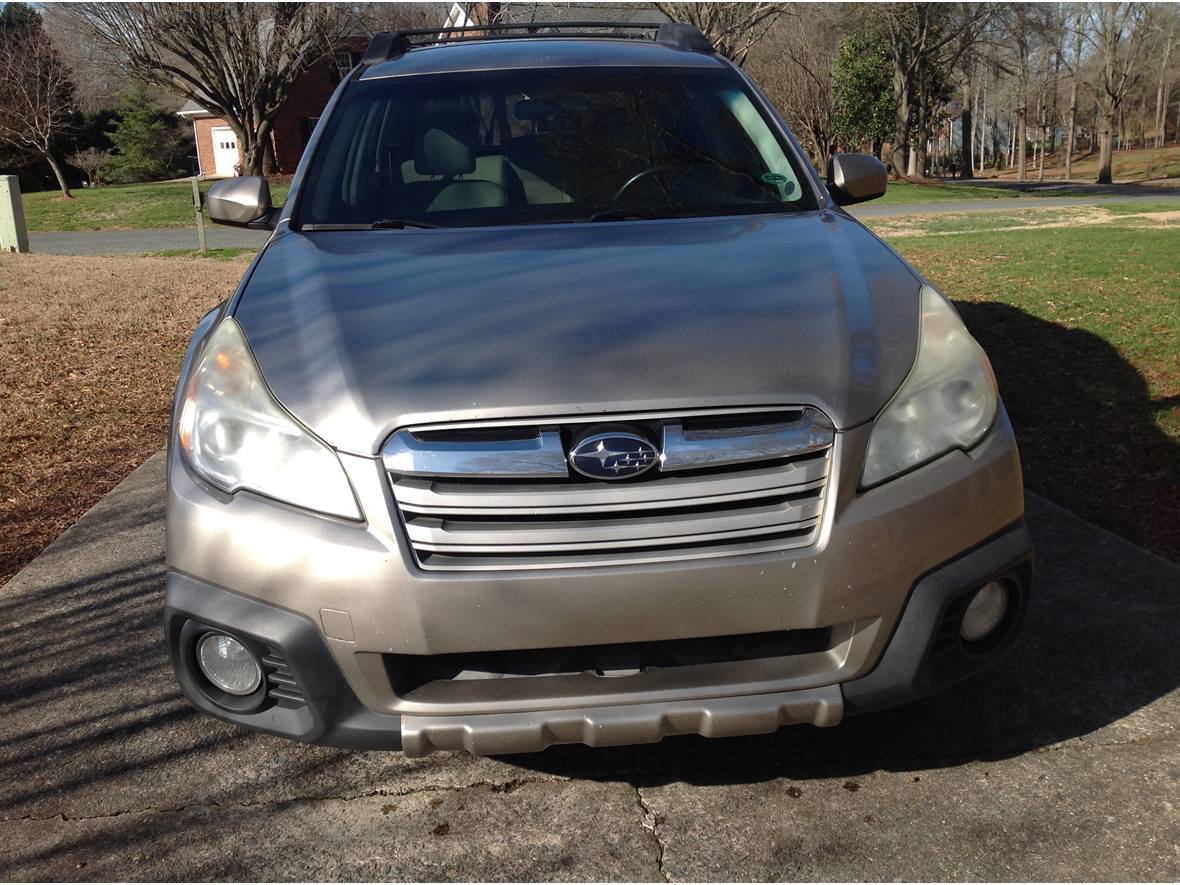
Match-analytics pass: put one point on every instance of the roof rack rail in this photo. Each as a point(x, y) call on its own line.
point(389, 45)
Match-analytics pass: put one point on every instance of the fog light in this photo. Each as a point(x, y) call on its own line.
point(228, 664)
point(986, 611)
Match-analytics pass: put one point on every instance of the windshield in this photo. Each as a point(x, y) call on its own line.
point(552, 145)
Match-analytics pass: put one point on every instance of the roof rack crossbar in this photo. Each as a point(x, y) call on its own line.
point(393, 44)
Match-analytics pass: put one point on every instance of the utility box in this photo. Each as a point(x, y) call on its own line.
point(14, 236)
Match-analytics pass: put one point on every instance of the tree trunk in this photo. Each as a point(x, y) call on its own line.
point(1040, 146)
point(1021, 144)
point(1054, 119)
point(975, 129)
point(61, 179)
point(1161, 97)
point(967, 146)
point(1022, 101)
point(901, 120)
point(1071, 141)
point(983, 131)
point(1105, 140)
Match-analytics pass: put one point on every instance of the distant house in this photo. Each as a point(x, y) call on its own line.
point(218, 152)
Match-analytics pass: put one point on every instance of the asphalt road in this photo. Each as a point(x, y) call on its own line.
point(1062, 762)
point(115, 242)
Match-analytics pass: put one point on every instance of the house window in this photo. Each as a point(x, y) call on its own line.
point(344, 62)
point(306, 127)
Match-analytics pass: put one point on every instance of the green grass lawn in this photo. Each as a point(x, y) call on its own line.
point(126, 207)
point(909, 192)
point(1082, 324)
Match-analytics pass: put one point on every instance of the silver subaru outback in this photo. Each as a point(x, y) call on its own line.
point(565, 404)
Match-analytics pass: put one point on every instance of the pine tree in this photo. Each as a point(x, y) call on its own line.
point(142, 138)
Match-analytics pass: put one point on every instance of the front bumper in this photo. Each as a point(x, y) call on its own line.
point(919, 659)
point(335, 602)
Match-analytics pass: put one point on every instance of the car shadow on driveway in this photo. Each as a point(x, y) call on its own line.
point(1088, 427)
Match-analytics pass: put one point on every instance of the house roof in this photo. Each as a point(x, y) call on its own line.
point(190, 110)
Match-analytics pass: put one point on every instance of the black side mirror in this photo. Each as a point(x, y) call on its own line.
point(855, 178)
point(242, 202)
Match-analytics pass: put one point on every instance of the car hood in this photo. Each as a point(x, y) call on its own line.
point(360, 332)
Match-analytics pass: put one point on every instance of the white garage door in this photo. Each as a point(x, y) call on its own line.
point(225, 150)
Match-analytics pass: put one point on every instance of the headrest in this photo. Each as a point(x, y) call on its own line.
point(446, 143)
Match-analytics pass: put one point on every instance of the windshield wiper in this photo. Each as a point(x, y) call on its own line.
point(400, 224)
point(709, 212)
point(626, 215)
point(383, 223)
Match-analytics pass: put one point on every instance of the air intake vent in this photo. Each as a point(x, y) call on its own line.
point(502, 496)
point(282, 688)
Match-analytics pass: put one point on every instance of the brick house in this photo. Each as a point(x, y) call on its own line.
point(218, 153)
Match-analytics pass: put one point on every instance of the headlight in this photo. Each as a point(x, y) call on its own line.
point(235, 435)
point(948, 401)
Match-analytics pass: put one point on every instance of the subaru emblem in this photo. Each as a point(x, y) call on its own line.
point(613, 456)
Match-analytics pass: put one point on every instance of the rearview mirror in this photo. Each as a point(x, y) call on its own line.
point(242, 202)
point(854, 178)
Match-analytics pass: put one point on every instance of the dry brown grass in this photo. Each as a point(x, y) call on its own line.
point(89, 353)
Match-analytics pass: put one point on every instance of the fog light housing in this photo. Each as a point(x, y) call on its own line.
point(986, 611)
point(228, 664)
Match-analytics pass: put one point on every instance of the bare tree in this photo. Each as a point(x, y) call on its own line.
point(36, 93)
point(1074, 64)
point(926, 41)
point(95, 69)
point(239, 60)
point(734, 28)
point(1115, 30)
point(91, 161)
point(795, 63)
point(1165, 26)
point(1020, 30)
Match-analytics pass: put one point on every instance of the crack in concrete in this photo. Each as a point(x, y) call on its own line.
point(507, 786)
point(651, 822)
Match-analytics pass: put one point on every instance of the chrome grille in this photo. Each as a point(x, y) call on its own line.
point(501, 496)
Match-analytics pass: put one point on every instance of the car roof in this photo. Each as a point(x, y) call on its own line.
point(545, 52)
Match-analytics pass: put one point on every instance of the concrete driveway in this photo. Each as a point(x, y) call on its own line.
point(1063, 762)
